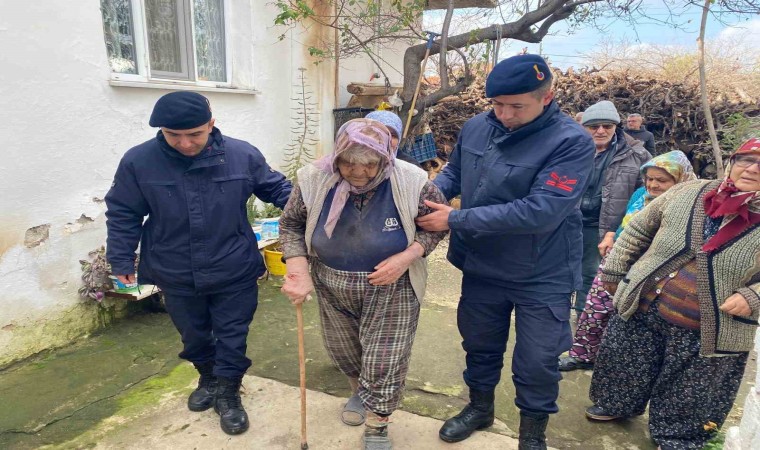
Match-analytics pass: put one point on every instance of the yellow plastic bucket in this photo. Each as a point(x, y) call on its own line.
point(273, 261)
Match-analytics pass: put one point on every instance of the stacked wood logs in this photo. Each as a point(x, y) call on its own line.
point(672, 111)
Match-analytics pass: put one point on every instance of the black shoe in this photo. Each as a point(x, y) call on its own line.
point(568, 363)
point(532, 432)
point(477, 415)
point(598, 413)
point(232, 416)
point(202, 398)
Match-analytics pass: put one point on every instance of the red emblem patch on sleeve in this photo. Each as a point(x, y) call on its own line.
point(561, 182)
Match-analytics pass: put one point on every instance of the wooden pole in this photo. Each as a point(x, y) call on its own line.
point(302, 372)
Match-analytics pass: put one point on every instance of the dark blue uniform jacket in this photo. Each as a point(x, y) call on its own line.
point(519, 224)
point(197, 239)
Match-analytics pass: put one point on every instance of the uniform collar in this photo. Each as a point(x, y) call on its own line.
point(212, 155)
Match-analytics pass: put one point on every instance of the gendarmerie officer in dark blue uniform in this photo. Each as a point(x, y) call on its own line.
point(196, 244)
point(520, 170)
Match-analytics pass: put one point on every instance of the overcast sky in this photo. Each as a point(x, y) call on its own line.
point(566, 49)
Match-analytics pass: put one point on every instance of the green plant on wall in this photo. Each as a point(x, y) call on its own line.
point(305, 129)
point(95, 272)
point(302, 148)
point(253, 211)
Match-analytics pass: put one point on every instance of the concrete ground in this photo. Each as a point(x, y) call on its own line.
point(126, 388)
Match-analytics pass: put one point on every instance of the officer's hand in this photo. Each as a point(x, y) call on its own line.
point(611, 288)
point(297, 287)
point(606, 244)
point(127, 279)
point(736, 305)
point(438, 220)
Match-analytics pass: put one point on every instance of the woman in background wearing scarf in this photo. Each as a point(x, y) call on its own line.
point(685, 275)
point(348, 232)
point(659, 174)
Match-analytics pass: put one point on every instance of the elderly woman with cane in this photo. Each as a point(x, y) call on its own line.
point(685, 275)
point(348, 233)
point(659, 174)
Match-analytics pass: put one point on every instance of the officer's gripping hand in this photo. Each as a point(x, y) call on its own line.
point(736, 305)
point(438, 220)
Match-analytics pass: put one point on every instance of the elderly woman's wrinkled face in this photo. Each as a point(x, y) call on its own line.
point(657, 181)
point(745, 172)
point(358, 166)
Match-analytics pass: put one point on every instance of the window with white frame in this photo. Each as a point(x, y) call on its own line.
point(166, 39)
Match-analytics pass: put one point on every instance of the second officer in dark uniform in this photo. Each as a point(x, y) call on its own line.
point(192, 183)
point(520, 170)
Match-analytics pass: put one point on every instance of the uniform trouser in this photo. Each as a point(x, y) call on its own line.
point(542, 334)
point(589, 264)
point(646, 359)
point(215, 328)
point(368, 331)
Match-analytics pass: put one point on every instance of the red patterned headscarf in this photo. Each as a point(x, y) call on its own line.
point(739, 209)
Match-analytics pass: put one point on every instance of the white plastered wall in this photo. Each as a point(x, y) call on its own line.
point(747, 435)
point(65, 128)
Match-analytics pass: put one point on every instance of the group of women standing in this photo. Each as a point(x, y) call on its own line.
point(681, 292)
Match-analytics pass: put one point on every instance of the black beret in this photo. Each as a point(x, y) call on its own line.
point(517, 75)
point(181, 111)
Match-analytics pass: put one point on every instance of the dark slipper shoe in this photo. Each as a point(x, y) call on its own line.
point(568, 363)
point(353, 412)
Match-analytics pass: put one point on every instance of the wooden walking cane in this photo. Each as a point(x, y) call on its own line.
point(302, 367)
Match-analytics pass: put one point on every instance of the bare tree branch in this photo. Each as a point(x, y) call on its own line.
point(443, 68)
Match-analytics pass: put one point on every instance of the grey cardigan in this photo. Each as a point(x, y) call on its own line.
point(621, 179)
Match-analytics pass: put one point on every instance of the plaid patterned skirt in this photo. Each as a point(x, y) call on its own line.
point(368, 331)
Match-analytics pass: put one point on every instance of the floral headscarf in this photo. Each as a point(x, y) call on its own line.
point(739, 209)
point(676, 164)
point(366, 133)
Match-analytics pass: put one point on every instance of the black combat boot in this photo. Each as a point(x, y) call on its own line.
point(202, 398)
point(532, 431)
point(477, 415)
point(232, 416)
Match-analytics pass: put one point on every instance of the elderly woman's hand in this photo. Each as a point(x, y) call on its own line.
point(390, 269)
point(297, 287)
point(605, 245)
point(298, 284)
point(736, 305)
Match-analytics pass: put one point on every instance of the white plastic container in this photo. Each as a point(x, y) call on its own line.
point(270, 228)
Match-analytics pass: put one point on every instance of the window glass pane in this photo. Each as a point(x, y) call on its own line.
point(119, 34)
point(163, 35)
point(209, 39)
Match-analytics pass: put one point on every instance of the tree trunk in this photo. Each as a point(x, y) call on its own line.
point(717, 154)
point(443, 68)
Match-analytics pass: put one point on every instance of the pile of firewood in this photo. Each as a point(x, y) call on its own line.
point(672, 111)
